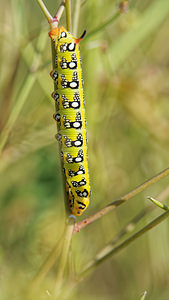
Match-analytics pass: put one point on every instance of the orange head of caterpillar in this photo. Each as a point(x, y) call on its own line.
point(62, 33)
point(53, 33)
point(59, 33)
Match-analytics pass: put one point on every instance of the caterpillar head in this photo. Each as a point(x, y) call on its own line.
point(59, 34)
point(62, 34)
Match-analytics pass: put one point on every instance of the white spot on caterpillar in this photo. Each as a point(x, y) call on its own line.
point(73, 84)
point(63, 34)
point(72, 65)
point(77, 143)
point(75, 104)
point(79, 172)
point(78, 159)
point(71, 46)
point(76, 124)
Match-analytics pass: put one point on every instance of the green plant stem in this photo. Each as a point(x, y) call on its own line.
point(113, 250)
point(131, 225)
point(70, 221)
point(44, 10)
point(33, 61)
point(143, 296)
point(104, 25)
point(70, 224)
point(68, 15)
point(47, 265)
point(64, 255)
point(153, 16)
point(60, 10)
point(76, 17)
point(121, 200)
point(128, 228)
point(23, 93)
point(35, 139)
point(27, 85)
point(62, 247)
point(158, 203)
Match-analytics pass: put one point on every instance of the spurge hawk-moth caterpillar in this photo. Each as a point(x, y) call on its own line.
point(70, 117)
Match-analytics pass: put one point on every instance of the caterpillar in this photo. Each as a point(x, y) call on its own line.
point(70, 117)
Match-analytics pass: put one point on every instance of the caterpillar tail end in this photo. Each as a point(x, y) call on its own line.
point(81, 37)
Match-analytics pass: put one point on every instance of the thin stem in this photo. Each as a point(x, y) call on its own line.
point(128, 228)
point(68, 15)
point(47, 265)
point(70, 221)
point(30, 143)
point(143, 296)
point(153, 17)
point(64, 255)
point(23, 93)
point(132, 223)
point(45, 10)
point(76, 17)
point(113, 250)
point(121, 200)
point(60, 10)
point(104, 25)
point(56, 251)
point(27, 85)
point(158, 203)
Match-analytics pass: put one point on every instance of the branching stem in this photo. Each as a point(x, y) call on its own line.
point(44, 10)
point(121, 200)
point(113, 250)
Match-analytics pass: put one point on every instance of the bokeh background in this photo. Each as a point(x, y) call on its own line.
point(126, 71)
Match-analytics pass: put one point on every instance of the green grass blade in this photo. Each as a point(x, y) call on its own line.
point(146, 25)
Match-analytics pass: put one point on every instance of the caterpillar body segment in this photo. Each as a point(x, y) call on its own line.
point(70, 118)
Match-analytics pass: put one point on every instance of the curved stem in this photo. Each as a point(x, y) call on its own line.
point(102, 26)
point(24, 90)
point(112, 250)
point(131, 225)
point(121, 200)
point(143, 296)
point(158, 203)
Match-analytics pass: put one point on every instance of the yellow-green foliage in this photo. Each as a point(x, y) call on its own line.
point(125, 69)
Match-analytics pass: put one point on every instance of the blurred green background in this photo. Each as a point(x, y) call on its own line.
point(126, 71)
